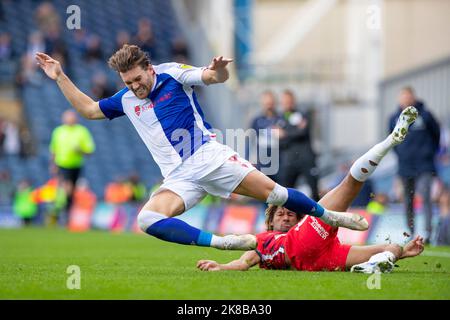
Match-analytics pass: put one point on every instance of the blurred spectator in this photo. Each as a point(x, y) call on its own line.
point(24, 205)
point(296, 153)
point(27, 72)
point(263, 125)
point(179, 51)
point(416, 155)
point(118, 191)
point(144, 38)
point(83, 197)
point(378, 204)
point(94, 51)
point(443, 234)
point(52, 198)
point(69, 144)
point(6, 50)
point(101, 87)
point(11, 143)
point(46, 17)
point(35, 44)
point(81, 41)
point(2, 135)
point(6, 188)
point(55, 44)
point(123, 37)
point(27, 147)
point(138, 188)
point(2, 12)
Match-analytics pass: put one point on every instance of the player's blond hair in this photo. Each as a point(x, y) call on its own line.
point(128, 57)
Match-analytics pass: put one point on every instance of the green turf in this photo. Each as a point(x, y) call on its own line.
point(33, 265)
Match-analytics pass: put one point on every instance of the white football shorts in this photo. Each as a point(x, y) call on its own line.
point(219, 176)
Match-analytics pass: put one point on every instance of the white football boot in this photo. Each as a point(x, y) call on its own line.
point(238, 242)
point(379, 263)
point(347, 220)
point(406, 118)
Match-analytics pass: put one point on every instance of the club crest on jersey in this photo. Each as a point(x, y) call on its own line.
point(137, 109)
point(185, 66)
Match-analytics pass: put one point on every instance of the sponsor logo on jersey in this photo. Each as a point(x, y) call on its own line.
point(319, 229)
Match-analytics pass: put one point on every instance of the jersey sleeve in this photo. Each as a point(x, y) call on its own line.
point(112, 106)
point(186, 74)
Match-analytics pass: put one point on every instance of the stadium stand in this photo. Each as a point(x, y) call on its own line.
point(119, 148)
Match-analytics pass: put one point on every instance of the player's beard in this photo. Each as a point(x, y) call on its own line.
point(141, 92)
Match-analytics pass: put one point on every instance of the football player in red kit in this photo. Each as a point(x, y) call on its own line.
point(294, 241)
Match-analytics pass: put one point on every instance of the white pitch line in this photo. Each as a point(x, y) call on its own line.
point(436, 254)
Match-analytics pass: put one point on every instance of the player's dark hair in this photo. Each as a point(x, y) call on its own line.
point(128, 57)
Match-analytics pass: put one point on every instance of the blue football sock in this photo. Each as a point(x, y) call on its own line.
point(300, 203)
point(178, 231)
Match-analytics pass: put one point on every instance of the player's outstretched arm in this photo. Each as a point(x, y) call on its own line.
point(217, 71)
point(245, 262)
point(87, 107)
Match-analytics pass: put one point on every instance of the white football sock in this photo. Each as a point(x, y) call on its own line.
point(363, 167)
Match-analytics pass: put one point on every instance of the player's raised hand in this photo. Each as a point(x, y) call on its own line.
point(208, 265)
point(51, 67)
point(413, 248)
point(219, 63)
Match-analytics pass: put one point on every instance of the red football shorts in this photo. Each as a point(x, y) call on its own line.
point(313, 245)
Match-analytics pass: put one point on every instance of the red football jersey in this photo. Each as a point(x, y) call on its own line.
point(271, 250)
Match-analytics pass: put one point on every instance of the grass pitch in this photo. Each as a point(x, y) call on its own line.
point(34, 262)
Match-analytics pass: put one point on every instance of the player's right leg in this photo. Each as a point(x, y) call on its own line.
point(381, 258)
point(157, 218)
point(373, 259)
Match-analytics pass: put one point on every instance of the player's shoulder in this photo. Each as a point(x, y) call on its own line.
point(172, 68)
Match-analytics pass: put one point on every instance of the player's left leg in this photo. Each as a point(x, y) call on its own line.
point(330, 209)
point(341, 197)
point(258, 186)
point(381, 258)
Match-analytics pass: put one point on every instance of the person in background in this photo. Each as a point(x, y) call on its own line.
point(138, 188)
point(69, 145)
point(297, 155)
point(443, 234)
point(264, 126)
point(118, 191)
point(416, 166)
point(6, 188)
point(24, 205)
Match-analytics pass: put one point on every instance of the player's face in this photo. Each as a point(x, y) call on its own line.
point(283, 220)
point(139, 80)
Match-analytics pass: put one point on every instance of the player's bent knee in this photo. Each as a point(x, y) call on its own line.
point(146, 218)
